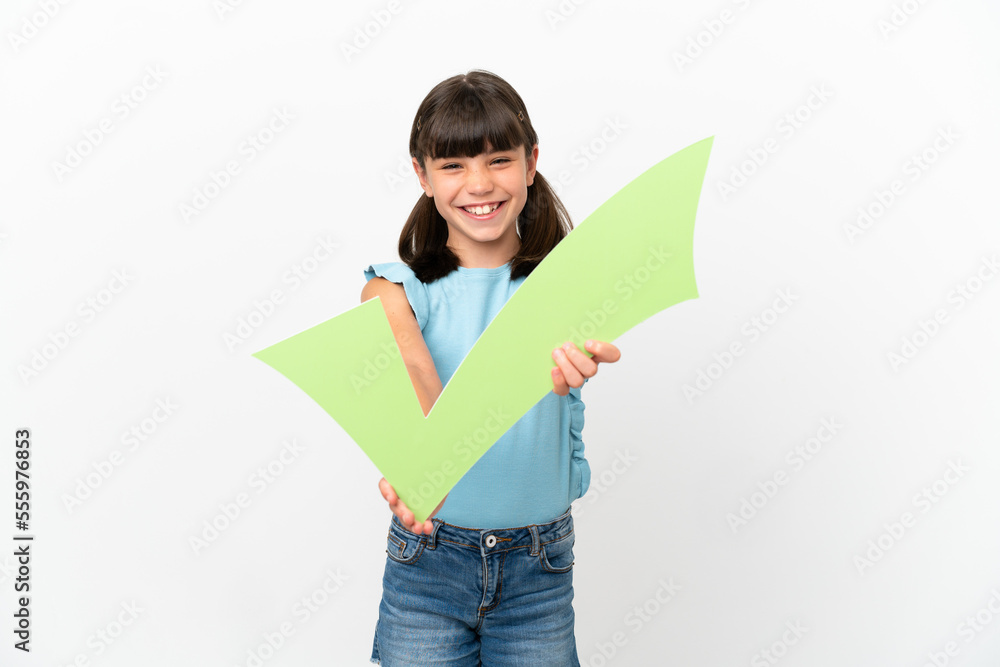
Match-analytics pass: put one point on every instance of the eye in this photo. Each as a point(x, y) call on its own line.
point(450, 165)
point(501, 160)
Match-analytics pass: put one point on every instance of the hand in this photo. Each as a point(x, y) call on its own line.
point(403, 513)
point(572, 365)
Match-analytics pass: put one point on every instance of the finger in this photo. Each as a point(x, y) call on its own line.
point(602, 351)
point(584, 364)
point(406, 517)
point(559, 385)
point(569, 371)
point(401, 511)
point(387, 491)
point(428, 524)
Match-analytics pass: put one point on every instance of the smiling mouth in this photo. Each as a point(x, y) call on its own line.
point(483, 212)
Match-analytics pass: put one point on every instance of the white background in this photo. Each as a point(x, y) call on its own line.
point(686, 462)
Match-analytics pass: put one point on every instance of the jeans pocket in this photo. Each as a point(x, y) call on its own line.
point(557, 556)
point(403, 546)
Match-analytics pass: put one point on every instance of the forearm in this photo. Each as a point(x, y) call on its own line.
point(427, 385)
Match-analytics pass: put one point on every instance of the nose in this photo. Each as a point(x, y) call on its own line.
point(478, 181)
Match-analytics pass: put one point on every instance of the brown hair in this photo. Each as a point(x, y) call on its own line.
point(460, 117)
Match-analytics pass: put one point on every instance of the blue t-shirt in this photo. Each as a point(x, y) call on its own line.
point(537, 468)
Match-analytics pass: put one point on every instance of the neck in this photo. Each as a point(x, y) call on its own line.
point(487, 255)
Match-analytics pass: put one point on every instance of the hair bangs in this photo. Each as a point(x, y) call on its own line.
point(466, 126)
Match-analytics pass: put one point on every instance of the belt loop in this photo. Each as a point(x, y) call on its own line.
point(535, 546)
point(432, 540)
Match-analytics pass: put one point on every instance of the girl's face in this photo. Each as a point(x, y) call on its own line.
point(495, 181)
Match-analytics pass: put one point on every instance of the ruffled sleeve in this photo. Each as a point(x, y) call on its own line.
point(576, 407)
point(416, 291)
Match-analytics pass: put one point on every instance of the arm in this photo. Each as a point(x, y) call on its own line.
point(420, 366)
point(409, 339)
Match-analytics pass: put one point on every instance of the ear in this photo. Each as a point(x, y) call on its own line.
point(532, 164)
point(422, 177)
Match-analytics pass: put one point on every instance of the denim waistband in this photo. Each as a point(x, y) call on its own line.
point(498, 539)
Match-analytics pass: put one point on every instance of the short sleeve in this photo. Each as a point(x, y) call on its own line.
point(416, 291)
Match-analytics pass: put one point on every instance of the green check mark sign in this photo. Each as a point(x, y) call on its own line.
point(630, 259)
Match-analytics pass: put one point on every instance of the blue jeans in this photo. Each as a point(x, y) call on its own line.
point(462, 596)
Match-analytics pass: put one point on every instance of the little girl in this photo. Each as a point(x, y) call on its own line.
point(488, 579)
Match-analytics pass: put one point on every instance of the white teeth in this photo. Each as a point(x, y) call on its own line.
point(482, 210)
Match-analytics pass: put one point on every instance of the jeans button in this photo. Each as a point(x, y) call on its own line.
point(491, 541)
